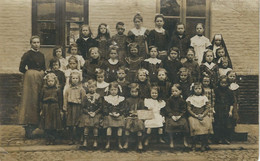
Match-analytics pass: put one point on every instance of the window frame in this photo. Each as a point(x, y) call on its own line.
point(183, 15)
point(60, 20)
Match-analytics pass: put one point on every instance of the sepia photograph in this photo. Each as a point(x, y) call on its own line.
point(129, 80)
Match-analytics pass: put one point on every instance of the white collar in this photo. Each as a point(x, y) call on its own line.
point(85, 38)
point(113, 62)
point(138, 32)
point(233, 86)
point(34, 50)
point(209, 66)
point(95, 97)
point(160, 30)
point(153, 61)
point(102, 85)
point(114, 100)
point(197, 101)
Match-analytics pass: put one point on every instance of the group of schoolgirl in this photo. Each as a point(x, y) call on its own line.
point(187, 83)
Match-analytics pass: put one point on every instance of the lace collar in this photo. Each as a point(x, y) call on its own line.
point(153, 61)
point(233, 86)
point(102, 85)
point(138, 32)
point(197, 101)
point(210, 66)
point(113, 62)
point(114, 100)
point(160, 30)
point(85, 38)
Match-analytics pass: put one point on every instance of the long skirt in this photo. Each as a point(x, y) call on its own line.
point(180, 125)
point(86, 120)
point(29, 112)
point(73, 113)
point(51, 117)
point(133, 124)
point(110, 121)
point(198, 127)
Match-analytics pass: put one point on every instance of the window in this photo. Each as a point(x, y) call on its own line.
point(57, 22)
point(189, 12)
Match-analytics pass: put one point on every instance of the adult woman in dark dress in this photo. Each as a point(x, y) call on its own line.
point(32, 65)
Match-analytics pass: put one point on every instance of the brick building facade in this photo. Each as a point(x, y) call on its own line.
point(236, 20)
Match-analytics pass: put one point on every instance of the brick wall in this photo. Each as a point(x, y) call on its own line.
point(238, 22)
point(15, 32)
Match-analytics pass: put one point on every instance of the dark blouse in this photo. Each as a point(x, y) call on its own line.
point(61, 77)
point(182, 43)
point(33, 60)
point(172, 67)
point(91, 104)
point(175, 106)
point(133, 104)
point(160, 40)
point(85, 45)
point(89, 68)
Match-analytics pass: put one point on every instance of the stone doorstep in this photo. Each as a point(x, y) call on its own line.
point(76, 147)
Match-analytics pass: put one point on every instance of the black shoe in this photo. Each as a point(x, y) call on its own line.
point(202, 149)
point(225, 141)
point(207, 147)
point(186, 149)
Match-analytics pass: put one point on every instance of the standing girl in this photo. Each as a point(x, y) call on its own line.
point(101, 84)
point(32, 65)
point(208, 68)
point(142, 78)
point(233, 86)
point(155, 105)
point(114, 110)
point(163, 84)
point(199, 42)
point(85, 41)
point(184, 82)
point(121, 80)
point(139, 35)
point(172, 64)
point(199, 121)
point(224, 119)
point(224, 66)
point(90, 66)
point(133, 62)
point(175, 118)
point(103, 39)
point(73, 51)
point(152, 64)
point(51, 107)
point(159, 37)
point(209, 92)
point(59, 54)
point(72, 104)
point(119, 39)
point(112, 64)
point(91, 107)
point(133, 124)
point(192, 65)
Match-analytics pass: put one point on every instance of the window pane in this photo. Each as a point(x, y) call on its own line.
point(74, 10)
point(196, 8)
point(191, 25)
point(170, 24)
point(45, 11)
point(72, 32)
point(170, 7)
point(47, 32)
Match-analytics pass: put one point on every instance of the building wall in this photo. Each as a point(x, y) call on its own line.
point(238, 22)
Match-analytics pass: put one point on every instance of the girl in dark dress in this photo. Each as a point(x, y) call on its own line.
point(85, 42)
point(152, 64)
point(192, 65)
point(51, 107)
point(91, 114)
point(112, 64)
point(33, 66)
point(185, 82)
point(175, 118)
point(133, 124)
point(163, 84)
point(103, 39)
point(142, 78)
point(172, 64)
point(95, 61)
point(208, 68)
point(114, 113)
point(121, 80)
point(224, 107)
point(159, 37)
point(139, 35)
